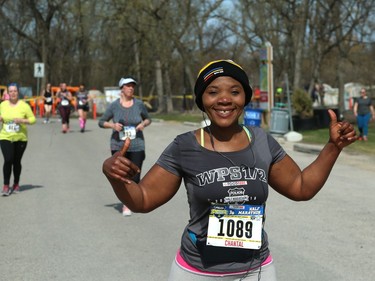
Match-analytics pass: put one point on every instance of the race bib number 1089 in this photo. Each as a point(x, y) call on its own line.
point(236, 226)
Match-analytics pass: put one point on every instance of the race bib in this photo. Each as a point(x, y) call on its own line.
point(12, 127)
point(48, 99)
point(235, 226)
point(64, 102)
point(80, 102)
point(128, 132)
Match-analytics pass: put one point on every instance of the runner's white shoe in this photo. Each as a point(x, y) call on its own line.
point(16, 188)
point(126, 211)
point(6, 190)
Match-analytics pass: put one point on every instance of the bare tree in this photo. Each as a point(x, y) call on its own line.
point(98, 42)
point(39, 15)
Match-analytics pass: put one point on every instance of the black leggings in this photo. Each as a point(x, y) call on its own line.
point(65, 114)
point(12, 152)
point(137, 158)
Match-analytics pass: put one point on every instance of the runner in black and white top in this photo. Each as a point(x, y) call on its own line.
point(83, 99)
point(226, 169)
point(48, 101)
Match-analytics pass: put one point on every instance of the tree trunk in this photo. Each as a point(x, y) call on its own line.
point(159, 87)
point(168, 89)
point(138, 66)
point(340, 80)
point(299, 44)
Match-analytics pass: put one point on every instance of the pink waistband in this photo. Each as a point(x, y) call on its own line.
point(182, 263)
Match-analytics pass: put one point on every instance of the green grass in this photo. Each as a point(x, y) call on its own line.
point(312, 137)
point(321, 137)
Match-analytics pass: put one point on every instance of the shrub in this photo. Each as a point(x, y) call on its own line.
point(302, 103)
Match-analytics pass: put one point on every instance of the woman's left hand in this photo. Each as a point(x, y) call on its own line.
point(19, 121)
point(341, 134)
point(140, 127)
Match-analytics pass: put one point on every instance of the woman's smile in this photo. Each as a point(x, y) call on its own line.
point(224, 113)
point(224, 100)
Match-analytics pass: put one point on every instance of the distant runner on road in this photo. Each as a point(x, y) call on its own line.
point(15, 114)
point(129, 118)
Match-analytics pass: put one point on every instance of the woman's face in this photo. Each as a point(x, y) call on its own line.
point(224, 101)
point(13, 93)
point(363, 92)
point(128, 90)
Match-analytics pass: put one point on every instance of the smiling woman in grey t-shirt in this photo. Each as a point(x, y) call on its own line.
point(227, 169)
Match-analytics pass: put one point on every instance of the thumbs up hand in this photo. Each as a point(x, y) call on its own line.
point(341, 134)
point(120, 168)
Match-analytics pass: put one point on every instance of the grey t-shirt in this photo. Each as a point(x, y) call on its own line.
point(224, 178)
point(131, 116)
point(364, 106)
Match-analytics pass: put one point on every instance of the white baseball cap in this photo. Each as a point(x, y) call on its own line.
point(124, 81)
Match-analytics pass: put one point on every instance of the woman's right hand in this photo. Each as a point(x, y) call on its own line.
point(117, 127)
point(120, 168)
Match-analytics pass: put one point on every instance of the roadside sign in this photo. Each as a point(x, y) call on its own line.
point(38, 70)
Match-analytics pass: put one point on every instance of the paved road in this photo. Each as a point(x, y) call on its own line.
point(66, 222)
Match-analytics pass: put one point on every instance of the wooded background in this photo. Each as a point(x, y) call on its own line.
point(98, 42)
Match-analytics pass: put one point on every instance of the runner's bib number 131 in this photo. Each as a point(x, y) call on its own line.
point(128, 132)
point(235, 226)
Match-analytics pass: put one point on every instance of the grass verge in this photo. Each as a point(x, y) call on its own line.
point(321, 137)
